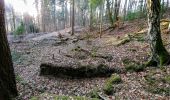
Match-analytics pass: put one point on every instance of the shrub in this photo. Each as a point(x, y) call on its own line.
point(20, 29)
point(93, 93)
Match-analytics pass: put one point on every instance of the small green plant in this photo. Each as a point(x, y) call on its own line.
point(94, 51)
point(115, 79)
point(150, 79)
point(18, 78)
point(15, 56)
point(34, 98)
point(166, 79)
point(20, 29)
point(93, 93)
point(108, 87)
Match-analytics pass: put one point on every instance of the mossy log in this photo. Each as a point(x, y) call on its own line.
point(86, 71)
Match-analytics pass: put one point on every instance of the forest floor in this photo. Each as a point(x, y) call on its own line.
point(28, 54)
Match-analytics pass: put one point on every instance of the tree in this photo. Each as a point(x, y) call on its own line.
point(7, 77)
point(72, 33)
point(109, 13)
point(116, 11)
point(159, 55)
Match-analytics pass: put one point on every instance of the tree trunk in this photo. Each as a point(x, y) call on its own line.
point(116, 12)
point(159, 55)
point(13, 19)
point(109, 12)
point(125, 10)
point(72, 33)
point(7, 77)
point(101, 19)
point(91, 17)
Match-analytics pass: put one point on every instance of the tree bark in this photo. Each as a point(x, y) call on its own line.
point(7, 77)
point(159, 55)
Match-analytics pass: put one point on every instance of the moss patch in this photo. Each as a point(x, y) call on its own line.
point(108, 87)
point(166, 79)
point(132, 66)
point(94, 93)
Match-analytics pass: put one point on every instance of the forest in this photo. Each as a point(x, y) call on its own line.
point(84, 49)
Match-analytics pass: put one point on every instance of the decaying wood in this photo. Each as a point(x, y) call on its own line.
point(75, 72)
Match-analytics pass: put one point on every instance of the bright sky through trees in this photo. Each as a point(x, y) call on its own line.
point(21, 7)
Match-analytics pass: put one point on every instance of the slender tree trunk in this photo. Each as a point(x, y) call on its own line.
point(109, 12)
point(101, 19)
point(7, 77)
point(91, 17)
point(167, 4)
point(13, 19)
point(125, 10)
point(6, 22)
point(72, 33)
point(117, 7)
point(66, 14)
point(159, 55)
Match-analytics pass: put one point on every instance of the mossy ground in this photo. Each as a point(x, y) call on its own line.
point(153, 84)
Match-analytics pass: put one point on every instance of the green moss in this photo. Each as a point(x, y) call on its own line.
point(132, 66)
point(108, 89)
point(93, 93)
point(166, 79)
point(34, 98)
point(126, 61)
point(108, 86)
point(164, 57)
point(18, 78)
point(115, 79)
point(150, 79)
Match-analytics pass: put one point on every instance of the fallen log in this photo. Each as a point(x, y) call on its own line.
point(81, 71)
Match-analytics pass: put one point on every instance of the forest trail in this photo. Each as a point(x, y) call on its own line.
point(38, 38)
